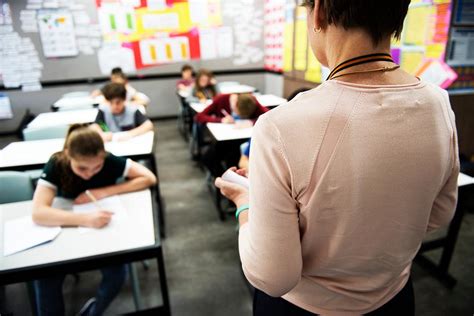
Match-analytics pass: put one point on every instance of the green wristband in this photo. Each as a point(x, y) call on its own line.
point(241, 209)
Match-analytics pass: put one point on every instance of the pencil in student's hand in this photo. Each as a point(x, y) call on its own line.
point(93, 199)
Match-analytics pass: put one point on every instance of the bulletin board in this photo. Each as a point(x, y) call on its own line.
point(55, 40)
point(461, 48)
point(424, 41)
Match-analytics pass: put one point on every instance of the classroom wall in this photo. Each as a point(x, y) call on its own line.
point(161, 91)
point(274, 84)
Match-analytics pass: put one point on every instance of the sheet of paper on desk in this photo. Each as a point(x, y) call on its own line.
point(112, 204)
point(21, 234)
point(464, 179)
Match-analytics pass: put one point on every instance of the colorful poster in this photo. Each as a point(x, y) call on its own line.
point(301, 39)
point(274, 18)
point(425, 35)
point(166, 31)
point(288, 36)
point(57, 34)
point(438, 73)
point(313, 72)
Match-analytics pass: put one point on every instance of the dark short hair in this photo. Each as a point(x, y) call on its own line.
point(114, 91)
point(246, 105)
point(117, 71)
point(186, 67)
point(379, 18)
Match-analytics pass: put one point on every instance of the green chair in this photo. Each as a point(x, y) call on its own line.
point(15, 187)
point(49, 132)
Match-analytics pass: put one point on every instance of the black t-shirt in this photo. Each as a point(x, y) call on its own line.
point(68, 185)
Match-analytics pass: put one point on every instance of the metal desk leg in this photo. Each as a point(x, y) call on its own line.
point(135, 282)
point(163, 282)
point(452, 235)
point(159, 202)
point(32, 297)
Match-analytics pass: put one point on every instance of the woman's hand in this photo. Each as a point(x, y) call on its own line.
point(98, 219)
point(97, 193)
point(234, 192)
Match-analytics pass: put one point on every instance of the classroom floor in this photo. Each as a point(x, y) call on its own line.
point(202, 261)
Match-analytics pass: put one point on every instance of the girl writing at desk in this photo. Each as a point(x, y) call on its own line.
point(83, 165)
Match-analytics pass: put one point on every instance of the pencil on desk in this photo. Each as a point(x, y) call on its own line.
point(93, 199)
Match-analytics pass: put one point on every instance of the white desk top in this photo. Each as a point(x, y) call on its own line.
point(198, 107)
point(241, 88)
point(223, 132)
point(63, 118)
point(464, 179)
point(37, 152)
point(138, 231)
point(267, 100)
point(270, 100)
point(74, 101)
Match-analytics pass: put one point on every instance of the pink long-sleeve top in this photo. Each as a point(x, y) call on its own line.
point(345, 181)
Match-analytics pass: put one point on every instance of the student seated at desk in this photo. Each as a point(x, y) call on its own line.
point(117, 117)
point(186, 83)
point(132, 96)
point(83, 165)
point(204, 87)
point(229, 108)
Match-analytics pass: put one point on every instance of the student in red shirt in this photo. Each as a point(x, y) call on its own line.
point(228, 108)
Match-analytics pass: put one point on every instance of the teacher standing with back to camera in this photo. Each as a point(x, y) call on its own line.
point(347, 178)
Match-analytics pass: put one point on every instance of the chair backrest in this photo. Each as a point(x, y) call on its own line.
point(15, 186)
point(49, 132)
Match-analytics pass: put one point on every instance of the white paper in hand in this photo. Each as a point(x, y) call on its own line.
point(234, 177)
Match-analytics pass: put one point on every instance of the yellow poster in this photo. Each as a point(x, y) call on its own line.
point(171, 19)
point(416, 25)
point(288, 47)
point(301, 39)
point(435, 51)
point(313, 73)
point(411, 60)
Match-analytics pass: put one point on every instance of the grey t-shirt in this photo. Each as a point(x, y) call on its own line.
point(130, 118)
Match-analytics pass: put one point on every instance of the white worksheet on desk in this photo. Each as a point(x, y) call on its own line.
point(22, 233)
point(112, 204)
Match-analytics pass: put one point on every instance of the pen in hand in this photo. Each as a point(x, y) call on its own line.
point(93, 199)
